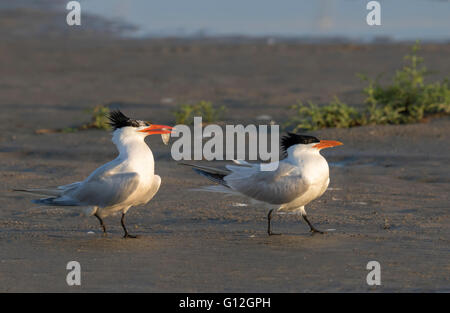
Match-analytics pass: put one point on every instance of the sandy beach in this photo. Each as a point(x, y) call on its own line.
point(389, 192)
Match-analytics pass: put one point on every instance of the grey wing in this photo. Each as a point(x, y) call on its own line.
point(50, 191)
point(275, 187)
point(60, 191)
point(105, 190)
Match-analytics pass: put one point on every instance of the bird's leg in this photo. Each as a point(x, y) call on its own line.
point(101, 223)
point(312, 228)
point(126, 235)
point(269, 219)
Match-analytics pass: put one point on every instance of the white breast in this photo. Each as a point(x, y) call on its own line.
point(314, 169)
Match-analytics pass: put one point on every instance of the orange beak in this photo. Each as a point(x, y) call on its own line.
point(157, 129)
point(327, 144)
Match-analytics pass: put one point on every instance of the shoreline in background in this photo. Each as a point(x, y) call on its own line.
point(43, 18)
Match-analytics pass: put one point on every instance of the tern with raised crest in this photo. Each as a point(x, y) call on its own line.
point(116, 186)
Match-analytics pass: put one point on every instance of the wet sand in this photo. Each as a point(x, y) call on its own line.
point(389, 200)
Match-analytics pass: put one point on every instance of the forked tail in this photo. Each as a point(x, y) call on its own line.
point(213, 174)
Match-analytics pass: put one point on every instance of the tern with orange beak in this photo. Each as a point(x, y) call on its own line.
point(297, 180)
point(127, 181)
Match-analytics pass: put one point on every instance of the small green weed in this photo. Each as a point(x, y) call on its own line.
point(407, 100)
point(311, 116)
point(185, 113)
point(99, 118)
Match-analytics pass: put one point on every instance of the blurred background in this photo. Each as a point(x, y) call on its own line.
point(257, 54)
point(322, 19)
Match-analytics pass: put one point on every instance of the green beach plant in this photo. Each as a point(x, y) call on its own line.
point(185, 112)
point(407, 100)
point(311, 116)
point(99, 118)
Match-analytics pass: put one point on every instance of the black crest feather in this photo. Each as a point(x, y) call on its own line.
point(118, 120)
point(294, 139)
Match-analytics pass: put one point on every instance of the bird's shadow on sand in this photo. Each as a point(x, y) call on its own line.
point(294, 238)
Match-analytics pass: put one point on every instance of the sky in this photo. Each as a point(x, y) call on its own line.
point(400, 19)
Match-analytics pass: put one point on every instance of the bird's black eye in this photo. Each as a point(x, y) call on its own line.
point(294, 139)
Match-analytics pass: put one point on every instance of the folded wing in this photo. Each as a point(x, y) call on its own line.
point(280, 186)
point(102, 191)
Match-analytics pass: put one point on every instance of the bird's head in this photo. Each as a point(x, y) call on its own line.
point(120, 122)
point(306, 143)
